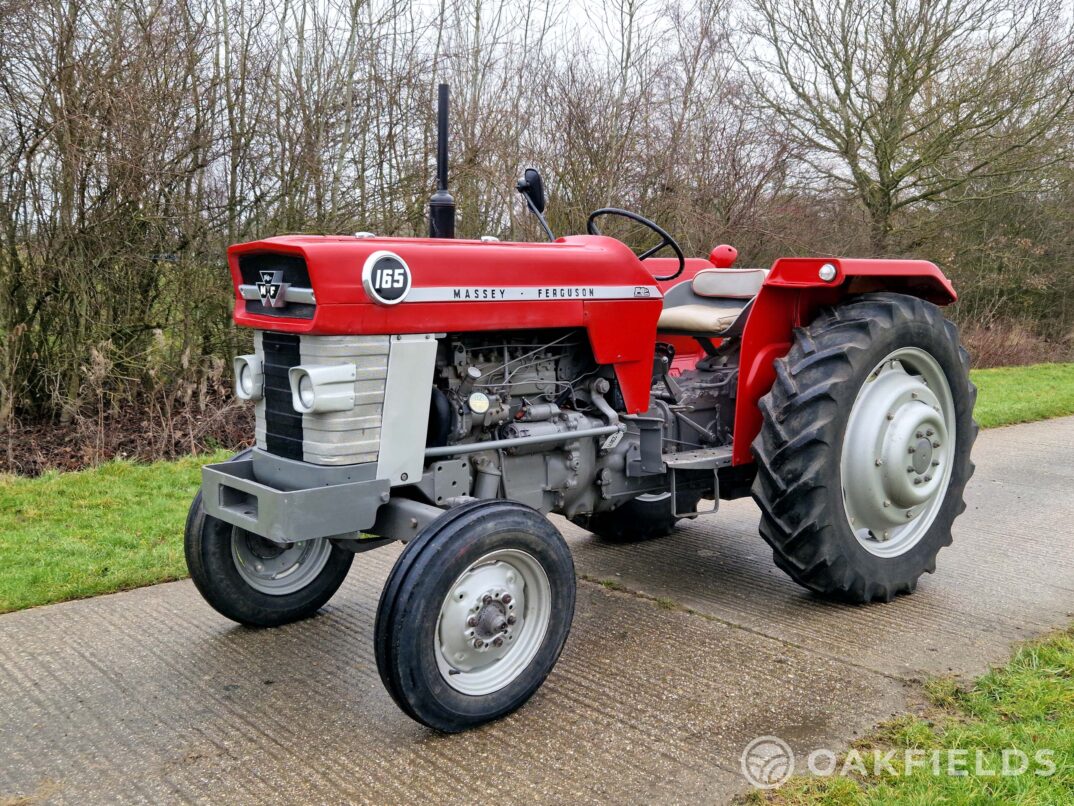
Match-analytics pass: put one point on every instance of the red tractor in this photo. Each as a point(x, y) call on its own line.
point(451, 393)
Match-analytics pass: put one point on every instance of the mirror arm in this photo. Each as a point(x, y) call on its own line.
point(540, 217)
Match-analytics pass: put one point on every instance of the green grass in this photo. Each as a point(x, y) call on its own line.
point(1027, 706)
point(1008, 395)
point(70, 535)
point(65, 536)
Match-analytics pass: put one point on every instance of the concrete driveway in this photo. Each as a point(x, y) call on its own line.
point(697, 646)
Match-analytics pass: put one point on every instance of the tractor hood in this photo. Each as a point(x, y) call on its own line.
point(349, 285)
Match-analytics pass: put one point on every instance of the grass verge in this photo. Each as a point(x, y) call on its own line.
point(70, 535)
point(1008, 395)
point(1025, 708)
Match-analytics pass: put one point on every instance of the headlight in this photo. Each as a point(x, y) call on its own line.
point(249, 377)
point(305, 391)
point(315, 390)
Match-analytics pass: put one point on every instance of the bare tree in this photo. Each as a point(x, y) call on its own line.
point(904, 102)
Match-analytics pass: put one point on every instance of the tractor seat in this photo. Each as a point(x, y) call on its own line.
point(711, 303)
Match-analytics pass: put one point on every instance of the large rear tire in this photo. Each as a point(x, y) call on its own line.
point(864, 450)
point(474, 614)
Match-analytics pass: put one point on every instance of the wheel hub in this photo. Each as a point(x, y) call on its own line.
point(277, 568)
point(897, 452)
point(922, 453)
point(493, 621)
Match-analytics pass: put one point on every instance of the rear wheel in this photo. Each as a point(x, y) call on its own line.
point(864, 451)
point(474, 614)
point(644, 518)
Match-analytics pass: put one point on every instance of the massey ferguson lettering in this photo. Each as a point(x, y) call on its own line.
point(569, 292)
point(479, 293)
point(549, 292)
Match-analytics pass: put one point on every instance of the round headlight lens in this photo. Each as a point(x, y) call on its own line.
point(246, 379)
point(305, 391)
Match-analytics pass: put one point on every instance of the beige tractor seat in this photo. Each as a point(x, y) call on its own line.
point(708, 319)
point(712, 303)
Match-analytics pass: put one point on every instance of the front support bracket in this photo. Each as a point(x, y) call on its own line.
point(402, 518)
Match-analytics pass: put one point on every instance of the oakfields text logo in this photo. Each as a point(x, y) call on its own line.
point(768, 761)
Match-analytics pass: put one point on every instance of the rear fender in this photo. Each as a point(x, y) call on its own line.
point(791, 297)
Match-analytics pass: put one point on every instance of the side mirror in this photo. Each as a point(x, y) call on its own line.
point(532, 187)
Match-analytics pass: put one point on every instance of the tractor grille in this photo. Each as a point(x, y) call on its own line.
point(279, 426)
point(332, 438)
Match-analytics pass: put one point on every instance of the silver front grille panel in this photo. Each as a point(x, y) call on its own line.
point(343, 437)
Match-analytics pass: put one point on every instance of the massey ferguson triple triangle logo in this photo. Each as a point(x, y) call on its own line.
point(272, 289)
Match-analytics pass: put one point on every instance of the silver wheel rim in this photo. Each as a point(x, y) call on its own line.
point(277, 569)
point(493, 621)
point(897, 452)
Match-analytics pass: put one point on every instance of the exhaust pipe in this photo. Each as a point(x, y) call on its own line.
point(441, 204)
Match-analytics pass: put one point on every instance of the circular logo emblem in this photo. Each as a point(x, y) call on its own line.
point(386, 278)
point(767, 762)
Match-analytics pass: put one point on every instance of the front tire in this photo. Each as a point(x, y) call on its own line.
point(254, 581)
point(864, 449)
point(474, 614)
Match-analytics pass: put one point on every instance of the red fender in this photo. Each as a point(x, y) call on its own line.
point(791, 297)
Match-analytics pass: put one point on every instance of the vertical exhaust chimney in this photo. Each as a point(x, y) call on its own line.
point(441, 205)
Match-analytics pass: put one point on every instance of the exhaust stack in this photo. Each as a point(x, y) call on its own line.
point(441, 204)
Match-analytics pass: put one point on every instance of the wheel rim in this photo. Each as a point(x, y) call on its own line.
point(277, 569)
point(493, 621)
point(897, 452)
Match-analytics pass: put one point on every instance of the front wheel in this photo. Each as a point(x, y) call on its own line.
point(255, 581)
point(474, 614)
point(864, 449)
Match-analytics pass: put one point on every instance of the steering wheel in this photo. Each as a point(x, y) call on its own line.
point(667, 240)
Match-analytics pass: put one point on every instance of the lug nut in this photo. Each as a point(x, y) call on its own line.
point(506, 598)
point(917, 481)
point(479, 644)
point(879, 462)
point(887, 503)
point(935, 443)
point(928, 478)
point(497, 642)
point(511, 619)
point(929, 432)
point(911, 449)
point(910, 469)
point(935, 462)
point(472, 621)
point(486, 599)
point(891, 415)
point(909, 514)
point(919, 434)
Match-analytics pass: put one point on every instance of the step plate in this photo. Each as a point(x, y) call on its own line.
point(700, 459)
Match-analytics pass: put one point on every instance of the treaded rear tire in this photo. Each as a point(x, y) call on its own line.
point(798, 450)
